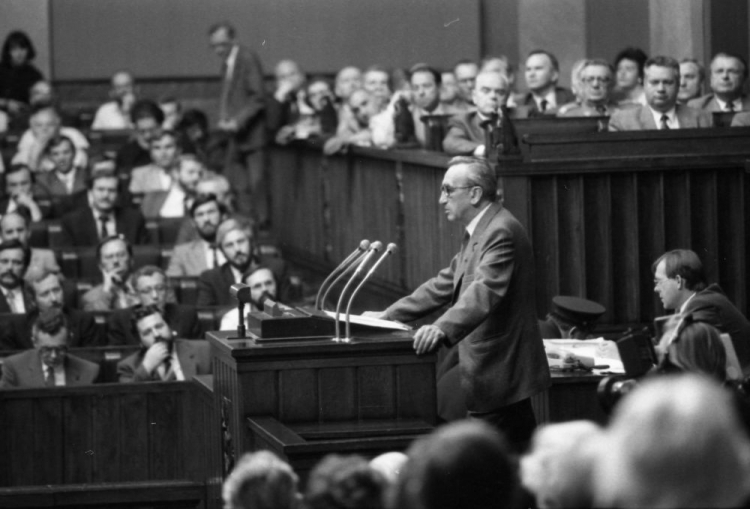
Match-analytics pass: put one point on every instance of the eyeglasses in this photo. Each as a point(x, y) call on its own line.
point(449, 190)
point(660, 282)
point(152, 289)
point(48, 350)
point(596, 79)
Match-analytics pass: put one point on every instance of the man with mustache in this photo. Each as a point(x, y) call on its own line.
point(15, 226)
point(263, 287)
point(235, 239)
point(115, 257)
point(48, 364)
point(162, 358)
point(192, 258)
point(14, 260)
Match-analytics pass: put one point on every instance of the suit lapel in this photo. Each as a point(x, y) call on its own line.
point(467, 255)
point(196, 257)
point(647, 119)
point(36, 375)
point(186, 355)
point(89, 224)
point(476, 129)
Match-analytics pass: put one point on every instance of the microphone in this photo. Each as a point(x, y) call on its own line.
point(242, 293)
point(348, 261)
point(389, 250)
point(374, 248)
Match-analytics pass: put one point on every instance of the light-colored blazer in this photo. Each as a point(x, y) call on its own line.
point(187, 260)
point(25, 370)
point(709, 103)
point(44, 259)
point(640, 118)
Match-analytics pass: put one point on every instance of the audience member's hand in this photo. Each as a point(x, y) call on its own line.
point(228, 125)
point(428, 338)
point(155, 355)
point(285, 88)
point(112, 280)
point(334, 145)
point(285, 135)
point(379, 315)
point(24, 198)
point(479, 151)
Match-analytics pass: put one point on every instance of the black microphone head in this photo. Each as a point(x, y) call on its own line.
point(376, 246)
point(391, 247)
point(364, 245)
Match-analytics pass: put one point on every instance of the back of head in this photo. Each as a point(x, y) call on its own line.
point(695, 347)
point(260, 480)
point(344, 482)
point(674, 442)
point(461, 465)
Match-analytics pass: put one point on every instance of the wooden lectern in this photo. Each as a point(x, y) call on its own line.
point(305, 397)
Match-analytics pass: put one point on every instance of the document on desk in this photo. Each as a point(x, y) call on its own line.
point(371, 322)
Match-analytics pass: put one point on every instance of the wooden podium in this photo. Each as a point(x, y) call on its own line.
point(306, 397)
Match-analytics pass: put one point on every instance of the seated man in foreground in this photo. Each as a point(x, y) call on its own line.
point(162, 357)
point(194, 257)
point(48, 364)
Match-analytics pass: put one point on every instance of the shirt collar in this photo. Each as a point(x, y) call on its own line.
point(672, 120)
point(737, 103)
point(550, 97)
point(684, 304)
point(474, 222)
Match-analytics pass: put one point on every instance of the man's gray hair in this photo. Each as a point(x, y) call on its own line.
point(481, 174)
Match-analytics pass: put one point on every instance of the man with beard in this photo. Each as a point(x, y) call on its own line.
point(175, 201)
point(15, 226)
point(115, 257)
point(201, 254)
point(147, 119)
point(235, 240)
point(152, 287)
point(263, 287)
point(14, 260)
point(48, 364)
point(162, 357)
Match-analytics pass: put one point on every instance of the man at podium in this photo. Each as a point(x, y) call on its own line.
point(491, 315)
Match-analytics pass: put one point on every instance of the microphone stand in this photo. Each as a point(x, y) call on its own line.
point(391, 248)
point(346, 271)
point(241, 324)
point(374, 248)
point(348, 261)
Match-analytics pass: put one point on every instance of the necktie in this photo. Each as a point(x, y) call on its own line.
point(215, 260)
point(49, 378)
point(601, 110)
point(168, 373)
point(103, 220)
point(664, 122)
point(543, 105)
point(730, 106)
point(10, 296)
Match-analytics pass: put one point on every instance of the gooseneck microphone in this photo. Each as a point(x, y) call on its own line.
point(389, 250)
point(375, 247)
point(344, 268)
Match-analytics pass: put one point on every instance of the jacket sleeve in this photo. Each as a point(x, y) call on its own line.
point(431, 296)
point(251, 81)
point(456, 142)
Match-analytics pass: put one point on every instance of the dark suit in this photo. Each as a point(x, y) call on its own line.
point(183, 320)
point(213, 284)
point(194, 357)
point(489, 287)
point(465, 133)
point(80, 228)
point(49, 183)
point(712, 306)
point(131, 155)
point(640, 118)
point(27, 302)
point(25, 370)
point(562, 96)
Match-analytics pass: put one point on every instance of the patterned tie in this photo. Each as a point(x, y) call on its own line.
point(103, 232)
point(49, 378)
point(664, 122)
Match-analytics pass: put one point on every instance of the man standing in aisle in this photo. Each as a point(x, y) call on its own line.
point(242, 119)
point(491, 315)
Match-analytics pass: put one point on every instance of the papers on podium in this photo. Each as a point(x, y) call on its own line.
point(370, 322)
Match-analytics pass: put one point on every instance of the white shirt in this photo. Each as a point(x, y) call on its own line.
point(174, 204)
point(474, 222)
point(209, 252)
point(737, 103)
point(672, 121)
point(684, 304)
point(237, 274)
point(550, 97)
point(161, 370)
point(110, 116)
point(67, 179)
point(59, 372)
point(111, 225)
point(15, 299)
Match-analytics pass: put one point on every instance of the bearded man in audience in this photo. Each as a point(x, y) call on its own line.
point(14, 260)
point(65, 179)
point(48, 364)
point(21, 193)
point(15, 226)
point(597, 79)
point(178, 198)
point(115, 257)
point(147, 119)
point(152, 287)
point(544, 96)
point(115, 114)
point(201, 254)
point(162, 358)
point(728, 74)
point(263, 286)
point(662, 81)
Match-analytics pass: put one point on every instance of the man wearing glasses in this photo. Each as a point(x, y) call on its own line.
point(152, 288)
point(596, 76)
point(491, 316)
point(48, 364)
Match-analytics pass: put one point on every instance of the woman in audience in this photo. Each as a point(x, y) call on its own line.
point(692, 346)
point(344, 482)
point(629, 77)
point(674, 442)
point(261, 480)
point(17, 73)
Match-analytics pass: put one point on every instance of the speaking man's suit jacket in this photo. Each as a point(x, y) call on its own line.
point(80, 228)
point(213, 284)
point(489, 287)
point(25, 370)
point(245, 100)
point(709, 103)
point(712, 306)
point(188, 260)
point(640, 118)
point(183, 320)
point(194, 357)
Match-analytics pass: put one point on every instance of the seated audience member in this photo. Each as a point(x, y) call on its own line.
point(363, 107)
point(45, 124)
point(115, 257)
point(162, 358)
point(662, 111)
point(557, 470)
point(288, 100)
point(115, 114)
point(344, 481)
point(629, 69)
point(449, 98)
point(260, 480)
point(263, 287)
point(17, 72)
point(172, 109)
point(680, 282)
point(49, 364)
point(571, 318)
point(147, 119)
point(466, 131)
point(377, 82)
point(236, 242)
point(544, 96)
point(728, 74)
point(201, 254)
point(691, 346)
point(102, 218)
point(596, 82)
point(459, 465)
point(466, 74)
point(165, 158)
point(576, 85)
point(196, 139)
point(317, 118)
point(152, 288)
point(674, 442)
point(15, 226)
point(65, 178)
point(348, 80)
point(20, 190)
point(46, 293)
point(217, 185)
point(14, 260)
point(178, 198)
point(692, 75)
